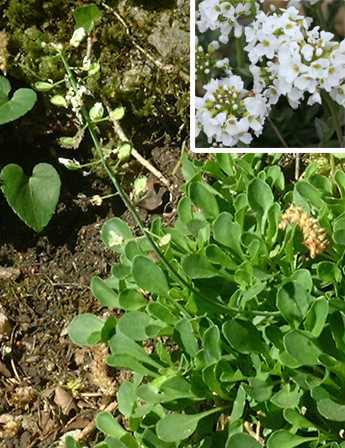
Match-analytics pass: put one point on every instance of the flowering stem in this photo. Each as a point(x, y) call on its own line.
point(320, 16)
point(278, 134)
point(331, 106)
point(253, 8)
point(184, 283)
point(240, 52)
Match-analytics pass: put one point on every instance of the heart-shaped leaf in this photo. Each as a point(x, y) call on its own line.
point(33, 198)
point(21, 102)
point(85, 16)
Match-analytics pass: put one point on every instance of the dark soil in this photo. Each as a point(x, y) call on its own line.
point(44, 281)
point(48, 386)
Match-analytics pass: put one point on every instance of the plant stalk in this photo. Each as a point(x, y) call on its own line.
point(331, 106)
point(221, 307)
point(320, 16)
point(240, 52)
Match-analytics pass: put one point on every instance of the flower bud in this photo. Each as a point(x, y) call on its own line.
point(77, 37)
point(96, 112)
point(124, 151)
point(69, 163)
point(59, 100)
point(43, 86)
point(117, 114)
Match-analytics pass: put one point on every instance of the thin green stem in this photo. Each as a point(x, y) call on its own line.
point(240, 52)
point(253, 8)
point(219, 306)
point(331, 106)
point(320, 16)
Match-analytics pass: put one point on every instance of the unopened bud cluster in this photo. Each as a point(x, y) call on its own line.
point(314, 236)
point(206, 65)
point(227, 112)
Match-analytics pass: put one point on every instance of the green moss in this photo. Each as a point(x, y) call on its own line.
point(156, 101)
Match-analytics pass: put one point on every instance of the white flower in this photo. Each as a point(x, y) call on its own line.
point(70, 164)
point(314, 98)
point(306, 83)
point(294, 59)
point(77, 37)
point(338, 94)
point(307, 52)
point(96, 112)
point(224, 16)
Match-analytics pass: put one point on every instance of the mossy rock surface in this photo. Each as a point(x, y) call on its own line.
point(142, 46)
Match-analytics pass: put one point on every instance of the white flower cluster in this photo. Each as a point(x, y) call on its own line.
point(293, 59)
point(227, 112)
point(224, 15)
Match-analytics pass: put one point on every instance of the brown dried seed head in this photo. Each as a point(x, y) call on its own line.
point(314, 236)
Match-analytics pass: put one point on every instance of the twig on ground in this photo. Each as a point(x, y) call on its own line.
point(145, 163)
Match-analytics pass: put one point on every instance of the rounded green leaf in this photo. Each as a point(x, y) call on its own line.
point(106, 423)
point(339, 177)
point(71, 443)
point(292, 302)
point(339, 232)
point(131, 300)
point(329, 273)
point(5, 88)
point(204, 199)
point(197, 266)
point(303, 277)
point(243, 336)
point(85, 16)
point(287, 398)
point(286, 439)
point(260, 198)
point(115, 233)
point(149, 276)
point(134, 324)
point(85, 329)
point(317, 317)
point(117, 113)
point(105, 295)
point(126, 398)
point(242, 440)
point(176, 427)
point(228, 233)
point(21, 102)
point(302, 347)
point(33, 198)
point(310, 193)
point(331, 410)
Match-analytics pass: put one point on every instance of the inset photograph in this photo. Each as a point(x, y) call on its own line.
point(268, 74)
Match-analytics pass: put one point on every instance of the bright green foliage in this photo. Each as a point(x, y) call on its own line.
point(254, 335)
point(85, 16)
point(21, 102)
point(33, 198)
